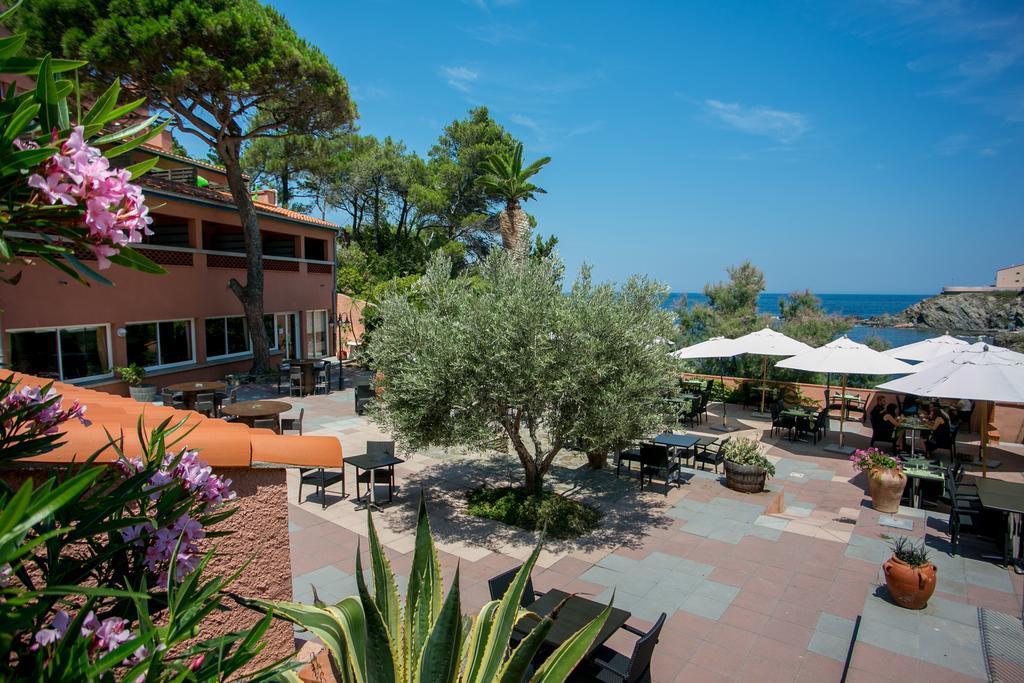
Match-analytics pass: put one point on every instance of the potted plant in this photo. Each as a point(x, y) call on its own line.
point(133, 376)
point(886, 480)
point(909, 576)
point(746, 468)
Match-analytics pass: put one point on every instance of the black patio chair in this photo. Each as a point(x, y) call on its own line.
point(206, 404)
point(819, 428)
point(321, 478)
point(691, 413)
point(629, 456)
point(293, 424)
point(608, 666)
point(711, 454)
point(380, 476)
point(363, 396)
point(172, 399)
point(500, 583)
point(656, 460)
point(780, 421)
point(283, 373)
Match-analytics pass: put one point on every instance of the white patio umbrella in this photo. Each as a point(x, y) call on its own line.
point(846, 357)
point(927, 349)
point(979, 373)
point(716, 347)
point(768, 342)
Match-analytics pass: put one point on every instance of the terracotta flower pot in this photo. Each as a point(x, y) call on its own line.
point(910, 587)
point(886, 489)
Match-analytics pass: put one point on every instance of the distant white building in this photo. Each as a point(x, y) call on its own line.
point(1011, 277)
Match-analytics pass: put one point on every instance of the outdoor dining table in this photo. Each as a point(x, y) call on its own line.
point(370, 463)
point(188, 390)
point(1008, 498)
point(918, 469)
point(682, 398)
point(248, 412)
point(798, 414)
point(913, 425)
point(576, 613)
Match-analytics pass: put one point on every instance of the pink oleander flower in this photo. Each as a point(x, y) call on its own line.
point(115, 212)
point(58, 626)
point(49, 418)
point(5, 575)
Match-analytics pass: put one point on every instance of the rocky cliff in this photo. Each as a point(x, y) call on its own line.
point(963, 312)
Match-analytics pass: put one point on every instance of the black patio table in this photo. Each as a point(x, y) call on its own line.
point(1008, 498)
point(576, 613)
point(373, 462)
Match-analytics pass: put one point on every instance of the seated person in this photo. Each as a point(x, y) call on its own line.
point(884, 423)
point(941, 435)
point(878, 410)
point(910, 405)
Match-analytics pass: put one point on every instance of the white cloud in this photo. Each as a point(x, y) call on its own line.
point(459, 77)
point(586, 129)
point(784, 126)
point(962, 143)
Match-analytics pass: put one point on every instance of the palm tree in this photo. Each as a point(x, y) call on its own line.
point(503, 177)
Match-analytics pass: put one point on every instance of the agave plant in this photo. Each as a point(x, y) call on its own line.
point(371, 639)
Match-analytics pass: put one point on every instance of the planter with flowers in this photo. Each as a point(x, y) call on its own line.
point(909, 576)
point(886, 480)
point(746, 468)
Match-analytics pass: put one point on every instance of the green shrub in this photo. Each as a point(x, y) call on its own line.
point(747, 452)
point(563, 517)
point(133, 374)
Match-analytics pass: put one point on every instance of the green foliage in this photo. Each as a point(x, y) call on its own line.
point(747, 452)
point(803, 318)
point(508, 353)
point(556, 515)
point(371, 638)
point(731, 310)
point(903, 549)
point(133, 374)
point(503, 177)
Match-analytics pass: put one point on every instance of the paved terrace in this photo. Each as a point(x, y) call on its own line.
point(765, 587)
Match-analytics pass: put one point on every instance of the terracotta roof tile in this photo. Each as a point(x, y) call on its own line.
point(222, 444)
point(225, 198)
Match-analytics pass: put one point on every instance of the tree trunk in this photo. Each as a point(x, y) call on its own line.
point(514, 225)
point(251, 294)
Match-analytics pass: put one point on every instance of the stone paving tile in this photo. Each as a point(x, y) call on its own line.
point(763, 588)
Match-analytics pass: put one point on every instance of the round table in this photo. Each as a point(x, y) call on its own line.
point(188, 390)
point(250, 411)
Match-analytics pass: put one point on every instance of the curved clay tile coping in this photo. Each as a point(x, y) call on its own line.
point(222, 444)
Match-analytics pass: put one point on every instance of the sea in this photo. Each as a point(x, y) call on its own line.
point(859, 306)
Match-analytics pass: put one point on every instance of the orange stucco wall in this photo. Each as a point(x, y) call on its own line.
point(47, 298)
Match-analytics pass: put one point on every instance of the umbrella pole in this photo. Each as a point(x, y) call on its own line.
point(842, 412)
point(984, 438)
point(764, 380)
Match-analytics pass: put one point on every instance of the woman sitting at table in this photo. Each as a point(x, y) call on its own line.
point(941, 436)
point(884, 424)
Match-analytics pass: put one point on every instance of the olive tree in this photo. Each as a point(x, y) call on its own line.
point(506, 352)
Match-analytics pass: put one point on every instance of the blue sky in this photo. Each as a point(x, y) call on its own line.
point(862, 146)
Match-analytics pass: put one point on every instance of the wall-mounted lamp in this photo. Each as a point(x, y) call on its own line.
point(121, 332)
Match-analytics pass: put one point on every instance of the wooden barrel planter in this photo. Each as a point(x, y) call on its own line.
point(745, 478)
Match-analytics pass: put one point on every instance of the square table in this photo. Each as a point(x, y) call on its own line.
point(576, 613)
point(915, 471)
point(913, 425)
point(1008, 498)
point(683, 442)
point(371, 463)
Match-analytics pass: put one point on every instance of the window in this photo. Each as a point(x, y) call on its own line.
point(226, 336)
point(276, 325)
point(154, 344)
point(316, 334)
point(68, 353)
